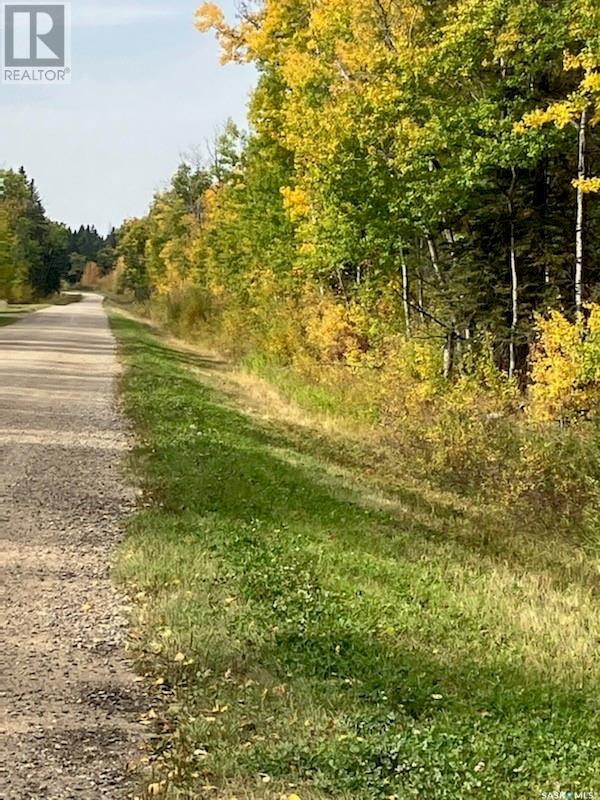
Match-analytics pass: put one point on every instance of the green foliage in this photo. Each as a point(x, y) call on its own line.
point(37, 254)
point(33, 252)
point(387, 145)
point(133, 274)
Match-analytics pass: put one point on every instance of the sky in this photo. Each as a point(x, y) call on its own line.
point(147, 88)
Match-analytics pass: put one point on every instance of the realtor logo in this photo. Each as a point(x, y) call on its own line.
point(36, 43)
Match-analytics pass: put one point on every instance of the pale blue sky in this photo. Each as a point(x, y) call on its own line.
point(146, 88)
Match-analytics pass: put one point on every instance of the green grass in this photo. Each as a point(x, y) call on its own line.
point(13, 313)
point(313, 630)
point(324, 399)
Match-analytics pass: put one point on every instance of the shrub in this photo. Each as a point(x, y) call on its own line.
point(565, 368)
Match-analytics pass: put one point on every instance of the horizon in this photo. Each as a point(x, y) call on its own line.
point(147, 89)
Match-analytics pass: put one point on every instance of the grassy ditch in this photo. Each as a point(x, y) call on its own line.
point(316, 629)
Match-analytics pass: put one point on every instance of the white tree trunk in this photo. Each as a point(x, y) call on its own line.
point(421, 298)
point(434, 258)
point(579, 232)
point(405, 289)
point(515, 296)
point(514, 277)
point(449, 353)
point(450, 343)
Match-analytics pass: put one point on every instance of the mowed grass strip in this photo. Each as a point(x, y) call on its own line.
point(10, 315)
point(13, 313)
point(308, 642)
point(6, 319)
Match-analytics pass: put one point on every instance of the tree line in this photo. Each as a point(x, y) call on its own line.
point(38, 255)
point(433, 163)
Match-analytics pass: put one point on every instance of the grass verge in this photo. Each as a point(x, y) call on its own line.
point(317, 632)
point(13, 313)
point(8, 319)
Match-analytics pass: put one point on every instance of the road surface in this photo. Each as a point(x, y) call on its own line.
point(69, 707)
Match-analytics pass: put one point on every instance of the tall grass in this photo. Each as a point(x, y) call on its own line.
point(470, 435)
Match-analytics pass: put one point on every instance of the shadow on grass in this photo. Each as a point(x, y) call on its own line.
point(266, 455)
point(286, 532)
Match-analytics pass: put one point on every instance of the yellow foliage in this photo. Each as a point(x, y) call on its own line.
point(296, 202)
point(587, 96)
point(587, 185)
point(335, 331)
point(299, 68)
point(565, 368)
point(413, 375)
point(233, 40)
point(558, 113)
point(591, 82)
point(209, 16)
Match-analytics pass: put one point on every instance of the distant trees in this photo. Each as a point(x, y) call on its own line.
point(87, 245)
point(131, 251)
point(37, 254)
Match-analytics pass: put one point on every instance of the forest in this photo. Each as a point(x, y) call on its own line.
point(413, 171)
point(38, 255)
point(409, 228)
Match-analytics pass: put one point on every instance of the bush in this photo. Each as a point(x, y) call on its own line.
point(565, 368)
point(468, 433)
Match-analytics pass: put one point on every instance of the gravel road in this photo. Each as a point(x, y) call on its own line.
point(69, 705)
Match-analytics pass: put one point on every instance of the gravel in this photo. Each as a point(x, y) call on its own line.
point(69, 703)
